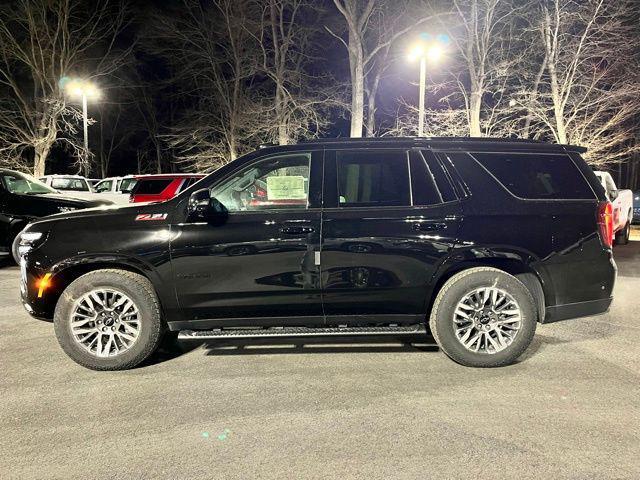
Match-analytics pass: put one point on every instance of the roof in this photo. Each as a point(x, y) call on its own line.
point(482, 143)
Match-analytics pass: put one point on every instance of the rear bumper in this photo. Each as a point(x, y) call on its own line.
point(556, 313)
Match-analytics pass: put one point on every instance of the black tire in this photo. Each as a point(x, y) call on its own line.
point(442, 325)
point(139, 290)
point(622, 237)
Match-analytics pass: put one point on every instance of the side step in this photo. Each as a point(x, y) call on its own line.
point(299, 332)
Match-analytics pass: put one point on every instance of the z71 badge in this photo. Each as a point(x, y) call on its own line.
point(151, 216)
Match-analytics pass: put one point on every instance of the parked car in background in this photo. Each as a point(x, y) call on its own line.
point(72, 185)
point(622, 201)
point(157, 188)
point(116, 189)
point(636, 207)
point(478, 239)
point(23, 199)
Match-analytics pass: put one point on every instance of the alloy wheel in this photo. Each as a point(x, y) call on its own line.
point(487, 320)
point(105, 322)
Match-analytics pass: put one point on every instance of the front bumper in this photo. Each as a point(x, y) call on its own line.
point(556, 313)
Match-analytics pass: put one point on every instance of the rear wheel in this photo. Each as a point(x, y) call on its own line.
point(622, 237)
point(483, 317)
point(108, 320)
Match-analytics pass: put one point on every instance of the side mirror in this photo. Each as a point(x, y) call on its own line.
point(204, 208)
point(613, 194)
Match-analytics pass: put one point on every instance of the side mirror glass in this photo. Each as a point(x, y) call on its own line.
point(203, 207)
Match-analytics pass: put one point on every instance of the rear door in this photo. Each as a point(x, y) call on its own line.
point(390, 218)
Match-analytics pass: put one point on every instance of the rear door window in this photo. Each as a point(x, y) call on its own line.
point(429, 182)
point(373, 178)
point(152, 186)
point(537, 176)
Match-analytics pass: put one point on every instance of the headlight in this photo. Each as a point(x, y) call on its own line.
point(25, 242)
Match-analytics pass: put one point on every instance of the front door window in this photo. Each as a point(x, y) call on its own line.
point(279, 182)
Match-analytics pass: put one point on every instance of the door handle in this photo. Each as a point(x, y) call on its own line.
point(429, 227)
point(296, 230)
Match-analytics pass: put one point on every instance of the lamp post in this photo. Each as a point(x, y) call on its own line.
point(83, 89)
point(425, 49)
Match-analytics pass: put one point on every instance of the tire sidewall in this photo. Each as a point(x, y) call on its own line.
point(442, 317)
point(150, 322)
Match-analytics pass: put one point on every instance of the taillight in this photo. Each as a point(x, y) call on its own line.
point(605, 223)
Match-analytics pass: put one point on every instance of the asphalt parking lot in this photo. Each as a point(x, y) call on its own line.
point(569, 409)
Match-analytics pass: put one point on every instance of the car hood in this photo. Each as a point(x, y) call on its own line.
point(109, 209)
point(68, 201)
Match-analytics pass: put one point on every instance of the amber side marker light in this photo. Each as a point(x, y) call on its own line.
point(43, 284)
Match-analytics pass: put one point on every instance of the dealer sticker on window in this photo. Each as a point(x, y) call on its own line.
point(286, 188)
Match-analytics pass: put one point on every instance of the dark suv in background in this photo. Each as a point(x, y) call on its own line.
point(477, 239)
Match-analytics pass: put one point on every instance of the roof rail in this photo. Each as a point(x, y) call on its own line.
point(421, 139)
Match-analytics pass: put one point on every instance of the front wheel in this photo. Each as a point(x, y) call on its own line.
point(483, 317)
point(108, 320)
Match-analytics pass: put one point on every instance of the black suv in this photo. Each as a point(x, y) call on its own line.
point(478, 239)
point(23, 199)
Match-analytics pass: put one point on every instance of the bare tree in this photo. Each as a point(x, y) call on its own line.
point(482, 38)
point(372, 26)
point(146, 107)
point(42, 41)
point(590, 86)
point(288, 37)
point(213, 51)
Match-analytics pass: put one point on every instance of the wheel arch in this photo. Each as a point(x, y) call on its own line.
point(518, 268)
point(66, 272)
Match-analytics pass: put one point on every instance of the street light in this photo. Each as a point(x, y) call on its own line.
point(426, 49)
point(83, 89)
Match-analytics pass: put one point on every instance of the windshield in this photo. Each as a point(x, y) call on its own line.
point(16, 182)
point(73, 184)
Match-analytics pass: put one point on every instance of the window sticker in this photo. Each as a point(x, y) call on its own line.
point(286, 188)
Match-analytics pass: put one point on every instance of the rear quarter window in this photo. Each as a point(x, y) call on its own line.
point(151, 186)
point(537, 176)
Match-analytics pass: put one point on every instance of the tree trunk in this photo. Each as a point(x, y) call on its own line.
point(283, 131)
point(356, 64)
point(533, 97)
point(475, 104)
point(40, 160)
point(158, 157)
point(558, 113)
point(370, 126)
point(357, 99)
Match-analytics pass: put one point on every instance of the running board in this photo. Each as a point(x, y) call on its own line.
point(299, 332)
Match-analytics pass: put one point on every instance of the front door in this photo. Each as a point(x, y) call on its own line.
point(261, 261)
point(390, 219)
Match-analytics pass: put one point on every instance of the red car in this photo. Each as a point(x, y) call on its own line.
point(157, 188)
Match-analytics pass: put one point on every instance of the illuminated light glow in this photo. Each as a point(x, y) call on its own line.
point(416, 52)
point(43, 284)
point(80, 88)
point(434, 53)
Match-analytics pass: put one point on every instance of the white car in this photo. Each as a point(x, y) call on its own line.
point(71, 185)
point(116, 189)
point(622, 201)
